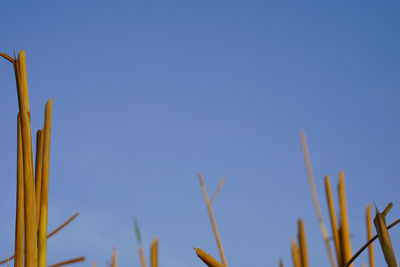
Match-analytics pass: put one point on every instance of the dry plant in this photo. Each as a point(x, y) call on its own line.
point(153, 248)
point(32, 181)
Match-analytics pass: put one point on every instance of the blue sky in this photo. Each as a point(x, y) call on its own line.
point(146, 94)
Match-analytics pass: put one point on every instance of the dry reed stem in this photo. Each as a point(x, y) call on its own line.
point(280, 262)
point(368, 243)
point(114, 257)
point(207, 258)
point(314, 195)
point(383, 236)
point(302, 244)
point(154, 253)
point(38, 170)
point(29, 188)
point(7, 57)
point(295, 254)
point(141, 256)
point(94, 264)
point(44, 199)
point(214, 225)
point(49, 235)
point(75, 260)
point(220, 185)
point(19, 221)
point(332, 214)
point(369, 236)
point(345, 231)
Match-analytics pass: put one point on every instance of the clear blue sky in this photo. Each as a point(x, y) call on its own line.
point(147, 93)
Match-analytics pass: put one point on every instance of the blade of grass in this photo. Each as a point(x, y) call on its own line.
point(38, 169)
point(154, 252)
point(302, 243)
point(345, 229)
point(19, 222)
point(141, 256)
point(214, 225)
point(44, 200)
point(295, 254)
point(75, 260)
point(29, 188)
point(314, 195)
point(332, 214)
point(114, 257)
point(383, 236)
point(369, 236)
point(207, 258)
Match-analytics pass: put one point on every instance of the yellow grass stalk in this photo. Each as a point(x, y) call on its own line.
point(314, 195)
point(221, 183)
point(29, 188)
point(75, 260)
point(383, 236)
point(154, 252)
point(332, 214)
point(280, 262)
point(44, 199)
point(114, 257)
point(19, 224)
point(38, 169)
point(207, 258)
point(369, 242)
point(141, 256)
point(214, 225)
point(369, 236)
point(302, 244)
point(345, 231)
point(295, 254)
point(49, 235)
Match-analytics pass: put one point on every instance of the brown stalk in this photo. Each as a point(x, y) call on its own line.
point(280, 262)
point(314, 195)
point(19, 222)
point(383, 236)
point(141, 256)
point(154, 253)
point(345, 231)
point(7, 57)
point(214, 225)
point(44, 198)
point(38, 169)
point(332, 215)
point(114, 257)
point(295, 254)
point(302, 244)
point(368, 243)
point(94, 264)
point(29, 188)
point(369, 236)
point(220, 185)
point(207, 258)
point(75, 260)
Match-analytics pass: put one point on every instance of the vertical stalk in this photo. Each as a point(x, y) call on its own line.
point(295, 254)
point(154, 252)
point(45, 186)
point(345, 231)
point(302, 244)
point(369, 236)
point(19, 222)
point(332, 214)
point(38, 170)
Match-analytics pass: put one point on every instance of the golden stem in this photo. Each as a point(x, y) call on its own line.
point(154, 252)
point(345, 231)
point(75, 260)
point(207, 258)
point(332, 215)
point(369, 236)
point(302, 244)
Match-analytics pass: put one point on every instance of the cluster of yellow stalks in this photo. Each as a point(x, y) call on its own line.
point(340, 227)
point(32, 180)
